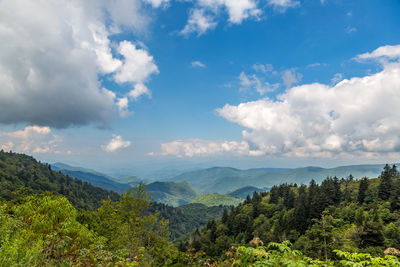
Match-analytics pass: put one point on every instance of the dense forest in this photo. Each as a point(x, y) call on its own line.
point(340, 222)
point(22, 174)
point(360, 216)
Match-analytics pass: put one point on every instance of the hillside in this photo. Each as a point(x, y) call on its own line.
point(246, 191)
point(223, 180)
point(187, 218)
point(94, 178)
point(217, 200)
point(173, 194)
point(19, 170)
point(360, 216)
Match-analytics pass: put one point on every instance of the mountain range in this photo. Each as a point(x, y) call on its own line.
point(223, 180)
point(224, 185)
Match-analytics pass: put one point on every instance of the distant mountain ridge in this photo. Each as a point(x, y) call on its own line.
point(183, 188)
point(94, 178)
point(171, 193)
point(226, 179)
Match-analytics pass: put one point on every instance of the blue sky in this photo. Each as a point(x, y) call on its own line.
point(246, 83)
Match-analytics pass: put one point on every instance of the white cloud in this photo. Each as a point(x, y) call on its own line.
point(203, 17)
point(123, 105)
point(32, 139)
point(290, 77)
point(198, 64)
point(199, 147)
point(53, 79)
point(116, 143)
point(248, 82)
point(239, 10)
point(138, 90)
point(138, 65)
point(355, 117)
point(388, 52)
point(282, 5)
point(199, 22)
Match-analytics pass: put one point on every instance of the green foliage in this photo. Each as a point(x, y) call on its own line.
point(172, 194)
point(281, 254)
point(345, 215)
point(217, 200)
point(245, 191)
point(46, 230)
point(21, 171)
point(274, 254)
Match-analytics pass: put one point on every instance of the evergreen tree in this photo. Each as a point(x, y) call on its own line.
point(289, 199)
point(301, 210)
point(385, 185)
point(273, 195)
point(395, 195)
point(362, 188)
point(225, 216)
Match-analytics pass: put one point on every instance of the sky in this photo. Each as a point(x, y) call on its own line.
point(147, 84)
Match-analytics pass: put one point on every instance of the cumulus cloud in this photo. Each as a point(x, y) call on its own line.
point(116, 143)
point(199, 147)
point(358, 116)
point(290, 77)
point(199, 21)
point(32, 139)
point(138, 65)
point(55, 53)
point(383, 52)
point(138, 90)
point(198, 64)
point(249, 82)
point(282, 5)
point(203, 17)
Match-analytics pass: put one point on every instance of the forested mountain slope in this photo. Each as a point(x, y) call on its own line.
point(21, 171)
point(171, 193)
point(343, 214)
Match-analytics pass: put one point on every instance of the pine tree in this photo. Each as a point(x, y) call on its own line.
point(273, 195)
point(385, 185)
point(395, 195)
point(225, 217)
point(301, 210)
point(362, 188)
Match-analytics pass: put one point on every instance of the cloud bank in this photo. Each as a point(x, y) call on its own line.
point(32, 139)
point(354, 117)
point(56, 51)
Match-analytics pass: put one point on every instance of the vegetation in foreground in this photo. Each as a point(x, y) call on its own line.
point(338, 223)
point(360, 217)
